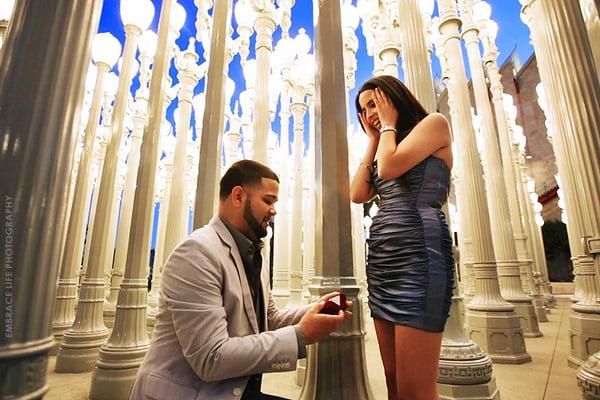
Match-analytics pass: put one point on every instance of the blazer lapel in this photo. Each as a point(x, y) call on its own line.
point(234, 253)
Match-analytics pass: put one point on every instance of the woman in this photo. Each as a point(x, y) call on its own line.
point(410, 266)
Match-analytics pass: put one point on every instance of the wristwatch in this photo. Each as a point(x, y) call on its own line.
point(386, 128)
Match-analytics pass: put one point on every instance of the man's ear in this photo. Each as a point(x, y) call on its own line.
point(237, 196)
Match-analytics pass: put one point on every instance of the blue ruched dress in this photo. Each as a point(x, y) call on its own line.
point(410, 267)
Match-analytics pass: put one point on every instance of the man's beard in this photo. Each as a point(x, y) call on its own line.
point(252, 222)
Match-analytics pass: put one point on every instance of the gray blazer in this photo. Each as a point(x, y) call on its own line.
point(206, 342)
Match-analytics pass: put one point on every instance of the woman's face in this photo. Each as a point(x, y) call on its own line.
point(368, 109)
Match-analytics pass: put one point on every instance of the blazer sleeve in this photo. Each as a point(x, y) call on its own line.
point(192, 286)
point(288, 316)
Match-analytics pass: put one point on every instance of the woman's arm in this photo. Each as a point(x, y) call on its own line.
point(361, 188)
point(428, 136)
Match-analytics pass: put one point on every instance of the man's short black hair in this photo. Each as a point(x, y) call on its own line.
point(244, 173)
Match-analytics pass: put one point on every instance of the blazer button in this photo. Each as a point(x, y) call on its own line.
point(237, 392)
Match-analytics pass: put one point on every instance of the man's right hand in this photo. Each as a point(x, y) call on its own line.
point(317, 326)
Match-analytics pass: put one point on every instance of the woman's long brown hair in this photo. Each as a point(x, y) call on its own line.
point(410, 111)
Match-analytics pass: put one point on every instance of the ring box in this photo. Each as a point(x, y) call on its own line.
point(334, 305)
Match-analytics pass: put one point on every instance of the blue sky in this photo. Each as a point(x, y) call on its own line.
point(512, 34)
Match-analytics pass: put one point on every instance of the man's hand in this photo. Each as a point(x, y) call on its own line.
point(317, 326)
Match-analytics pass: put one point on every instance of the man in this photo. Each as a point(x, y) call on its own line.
point(217, 327)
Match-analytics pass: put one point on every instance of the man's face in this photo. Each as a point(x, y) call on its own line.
point(259, 207)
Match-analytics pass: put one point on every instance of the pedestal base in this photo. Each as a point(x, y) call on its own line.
point(109, 316)
point(540, 308)
point(584, 336)
point(24, 369)
point(79, 351)
point(58, 332)
point(528, 318)
point(499, 334)
point(481, 391)
point(336, 367)
point(115, 372)
point(588, 378)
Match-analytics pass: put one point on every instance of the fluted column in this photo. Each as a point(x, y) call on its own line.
point(591, 16)
point(115, 220)
point(212, 122)
point(388, 56)
point(529, 226)
point(160, 256)
point(510, 180)
point(159, 198)
point(233, 139)
point(509, 275)
point(121, 356)
point(415, 58)
point(133, 162)
point(534, 231)
point(99, 155)
point(308, 258)
point(82, 341)
point(573, 92)
point(298, 108)
point(464, 233)
point(488, 315)
point(281, 245)
point(264, 26)
point(41, 89)
point(343, 350)
point(66, 292)
point(189, 74)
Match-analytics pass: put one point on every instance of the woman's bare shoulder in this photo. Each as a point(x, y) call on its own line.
point(436, 119)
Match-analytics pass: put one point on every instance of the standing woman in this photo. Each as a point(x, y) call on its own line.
point(410, 269)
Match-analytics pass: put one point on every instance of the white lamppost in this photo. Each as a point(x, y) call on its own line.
point(6, 9)
point(285, 9)
point(147, 48)
point(298, 109)
point(189, 73)
point(203, 21)
point(350, 20)
point(285, 53)
point(89, 331)
point(415, 55)
point(167, 146)
point(82, 340)
point(502, 105)
point(505, 250)
point(264, 25)
point(388, 37)
point(245, 17)
point(105, 52)
point(247, 100)
point(124, 351)
point(488, 303)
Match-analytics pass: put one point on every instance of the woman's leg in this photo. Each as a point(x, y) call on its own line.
point(385, 339)
point(417, 359)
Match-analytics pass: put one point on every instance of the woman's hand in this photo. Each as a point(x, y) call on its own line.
point(388, 115)
point(371, 131)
